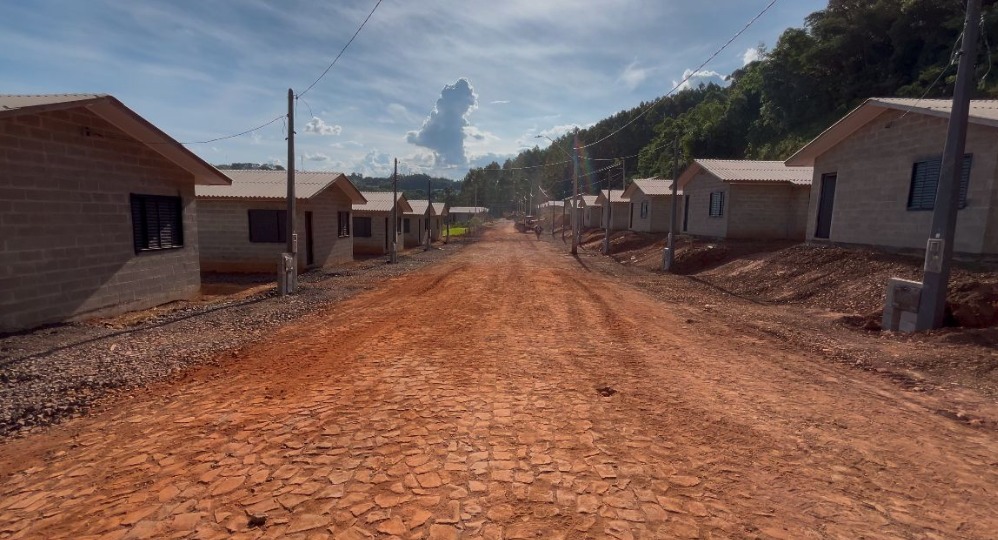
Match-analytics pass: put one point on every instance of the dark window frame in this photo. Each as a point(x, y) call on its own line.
point(644, 209)
point(343, 224)
point(925, 182)
point(362, 227)
point(716, 204)
point(157, 222)
point(406, 226)
point(267, 226)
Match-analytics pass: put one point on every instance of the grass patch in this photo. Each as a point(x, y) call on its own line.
point(457, 231)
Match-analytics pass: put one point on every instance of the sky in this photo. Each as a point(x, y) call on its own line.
point(442, 86)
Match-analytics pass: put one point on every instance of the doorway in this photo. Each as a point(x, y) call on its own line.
point(826, 203)
point(309, 252)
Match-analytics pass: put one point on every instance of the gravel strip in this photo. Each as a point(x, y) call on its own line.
point(50, 374)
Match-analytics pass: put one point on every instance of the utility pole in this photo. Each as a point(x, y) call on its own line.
point(394, 254)
point(939, 248)
point(429, 210)
point(447, 209)
point(564, 208)
point(575, 193)
point(609, 204)
point(670, 251)
point(288, 280)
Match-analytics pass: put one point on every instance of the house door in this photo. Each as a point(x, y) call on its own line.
point(309, 252)
point(825, 205)
point(686, 212)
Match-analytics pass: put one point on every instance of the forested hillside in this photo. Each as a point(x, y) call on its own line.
point(850, 51)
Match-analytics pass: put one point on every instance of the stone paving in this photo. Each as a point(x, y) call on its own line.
point(462, 402)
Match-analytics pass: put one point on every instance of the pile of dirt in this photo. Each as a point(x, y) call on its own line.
point(849, 281)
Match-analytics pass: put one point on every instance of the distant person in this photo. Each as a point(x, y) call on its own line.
point(538, 230)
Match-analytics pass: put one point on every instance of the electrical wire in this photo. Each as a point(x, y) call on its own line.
point(688, 77)
point(233, 136)
point(343, 50)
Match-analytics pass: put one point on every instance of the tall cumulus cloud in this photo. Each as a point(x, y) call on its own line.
point(443, 131)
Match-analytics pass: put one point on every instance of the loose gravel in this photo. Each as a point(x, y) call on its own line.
point(50, 374)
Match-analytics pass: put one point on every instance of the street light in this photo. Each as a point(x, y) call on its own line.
point(575, 190)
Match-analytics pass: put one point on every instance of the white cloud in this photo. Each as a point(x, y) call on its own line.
point(500, 102)
point(443, 130)
point(346, 144)
point(318, 126)
point(632, 76)
point(752, 54)
point(318, 156)
point(693, 79)
point(377, 163)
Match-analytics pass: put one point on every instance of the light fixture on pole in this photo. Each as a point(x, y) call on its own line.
point(575, 188)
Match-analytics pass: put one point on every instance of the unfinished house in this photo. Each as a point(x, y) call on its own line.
point(750, 200)
point(416, 223)
point(98, 210)
point(876, 170)
point(242, 227)
point(371, 233)
point(650, 205)
point(615, 208)
point(438, 221)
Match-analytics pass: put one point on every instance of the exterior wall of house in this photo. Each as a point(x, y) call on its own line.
point(436, 228)
point(417, 234)
point(874, 167)
point(66, 242)
point(700, 221)
point(619, 216)
point(375, 245)
point(766, 211)
point(592, 217)
point(223, 228)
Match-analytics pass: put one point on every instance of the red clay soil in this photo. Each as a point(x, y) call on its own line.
point(515, 391)
point(849, 281)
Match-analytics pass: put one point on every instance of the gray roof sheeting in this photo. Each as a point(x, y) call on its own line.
point(256, 184)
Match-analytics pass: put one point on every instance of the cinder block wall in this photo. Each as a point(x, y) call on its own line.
point(700, 221)
point(330, 248)
point(661, 213)
point(65, 221)
point(375, 245)
point(416, 234)
point(760, 211)
point(874, 168)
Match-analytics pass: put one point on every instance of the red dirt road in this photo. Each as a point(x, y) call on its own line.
point(461, 402)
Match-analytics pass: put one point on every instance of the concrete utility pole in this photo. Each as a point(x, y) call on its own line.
point(575, 193)
point(393, 255)
point(670, 251)
point(429, 210)
point(288, 280)
point(939, 248)
point(609, 205)
point(447, 221)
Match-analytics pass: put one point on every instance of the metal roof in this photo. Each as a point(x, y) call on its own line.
point(381, 201)
point(729, 170)
point(983, 112)
point(557, 204)
point(468, 210)
point(255, 184)
point(616, 195)
point(420, 207)
point(440, 208)
point(121, 117)
point(649, 186)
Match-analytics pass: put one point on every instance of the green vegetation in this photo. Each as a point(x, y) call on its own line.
point(846, 53)
point(456, 230)
point(412, 185)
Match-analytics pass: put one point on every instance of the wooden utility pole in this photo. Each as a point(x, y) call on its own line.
point(575, 193)
point(393, 253)
point(447, 221)
point(939, 248)
point(289, 269)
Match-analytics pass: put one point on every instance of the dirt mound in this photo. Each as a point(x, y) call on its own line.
point(849, 281)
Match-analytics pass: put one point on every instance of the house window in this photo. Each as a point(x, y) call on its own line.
point(644, 209)
point(717, 204)
point(362, 227)
point(157, 222)
point(925, 181)
point(268, 226)
point(343, 223)
point(405, 225)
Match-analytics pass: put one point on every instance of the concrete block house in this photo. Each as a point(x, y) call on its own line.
point(590, 211)
point(242, 227)
point(615, 208)
point(650, 205)
point(416, 224)
point(97, 210)
point(875, 174)
point(437, 221)
point(749, 200)
point(371, 232)
point(464, 214)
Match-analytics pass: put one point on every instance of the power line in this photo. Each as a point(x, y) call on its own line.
point(331, 64)
point(692, 73)
point(233, 136)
